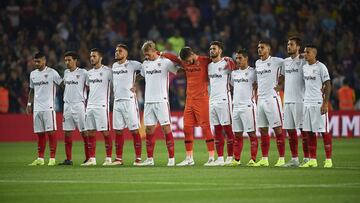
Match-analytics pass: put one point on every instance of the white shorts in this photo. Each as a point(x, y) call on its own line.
point(269, 113)
point(314, 121)
point(220, 114)
point(44, 121)
point(157, 112)
point(293, 115)
point(126, 115)
point(74, 116)
point(244, 118)
point(97, 119)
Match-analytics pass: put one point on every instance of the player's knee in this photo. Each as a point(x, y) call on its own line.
point(134, 132)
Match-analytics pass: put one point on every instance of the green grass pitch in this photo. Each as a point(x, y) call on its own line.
point(22, 183)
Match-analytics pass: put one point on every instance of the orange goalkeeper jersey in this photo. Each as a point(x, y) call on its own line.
point(196, 76)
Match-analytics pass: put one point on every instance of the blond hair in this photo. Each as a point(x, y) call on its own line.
point(148, 45)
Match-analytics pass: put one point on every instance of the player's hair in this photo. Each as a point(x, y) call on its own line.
point(148, 45)
point(39, 55)
point(185, 53)
point(243, 52)
point(123, 46)
point(265, 41)
point(297, 40)
point(97, 50)
point(311, 46)
point(217, 43)
point(73, 54)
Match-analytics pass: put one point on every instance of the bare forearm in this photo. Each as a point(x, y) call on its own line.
point(327, 91)
point(31, 96)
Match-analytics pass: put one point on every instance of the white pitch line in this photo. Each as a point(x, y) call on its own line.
point(271, 187)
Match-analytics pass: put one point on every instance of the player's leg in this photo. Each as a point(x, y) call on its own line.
point(219, 137)
point(102, 125)
point(226, 122)
point(289, 126)
point(323, 128)
point(49, 118)
point(201, 112)
point(308, 127)
point(133, 123)
point(249, 126)
point(150, 122)
point(137, 146)
point(118, 125)
point(79, 118)
point(274, 114)
point(90, 127)
point(163, 114)
point(41, 142)
point(68, 127)
point(263, 123)
point(189, 122)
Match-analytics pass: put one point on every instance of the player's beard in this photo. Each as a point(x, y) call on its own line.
point(213, 55)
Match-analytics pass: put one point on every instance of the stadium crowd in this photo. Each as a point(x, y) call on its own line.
point(57, 26)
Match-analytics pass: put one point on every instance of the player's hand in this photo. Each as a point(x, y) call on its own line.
point(230, 64)
point(324, 108)
point(133, 89)
point(277, 88)
point(28, 109)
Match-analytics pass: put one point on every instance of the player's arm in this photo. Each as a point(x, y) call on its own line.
point(326, 96)
point(280, 84)
point(172, 57)
point(29, 106)
point(230, 64)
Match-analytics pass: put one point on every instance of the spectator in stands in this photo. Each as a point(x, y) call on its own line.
point(346, 96)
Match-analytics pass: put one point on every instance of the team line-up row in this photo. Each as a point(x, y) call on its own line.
point(254, 103)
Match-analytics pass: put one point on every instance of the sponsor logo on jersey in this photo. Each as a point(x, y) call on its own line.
point(71, 82)
point(96, 80)
point(310, 77)
point(153, 71)
point(292, 70)
point(241, 80)
point(118, 72)
point(41, 83)
point(215, 76)
point(263, 72)
point(192, 70)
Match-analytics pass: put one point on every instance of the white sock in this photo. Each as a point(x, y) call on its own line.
point(264, 158)
point(295, 158)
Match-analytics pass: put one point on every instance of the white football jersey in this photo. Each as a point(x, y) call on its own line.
point(44, 84)
point(156, 75)
point(99, 81)
point(267, 73)
point(314, 75)
point(75, 89)
point(219, 80)
point(294, 83)
point(124, 78)
point(242, 81)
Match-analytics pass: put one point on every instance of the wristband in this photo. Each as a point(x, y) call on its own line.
point(29, 104)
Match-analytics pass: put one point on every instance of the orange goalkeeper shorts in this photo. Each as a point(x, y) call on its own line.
point(196, 112)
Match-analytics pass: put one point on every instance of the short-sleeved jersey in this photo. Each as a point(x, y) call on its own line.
point(197, 80)
point(267, 73)
point(219, 77)
point(124, 78)
point(75, 88)
point(156, 75)
point(242, 81)
point(314, 75)
point(99, 81)
point(292, 69)
point(44, 84)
